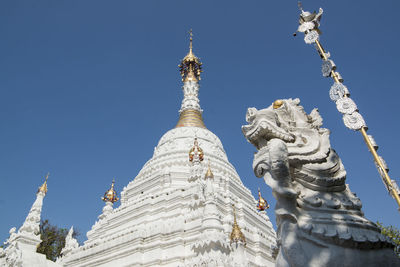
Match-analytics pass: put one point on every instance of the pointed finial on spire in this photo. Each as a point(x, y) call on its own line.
point(110, 195)
point(190, 66)
point(191, 41)
point(236, 234)
point(43, 188)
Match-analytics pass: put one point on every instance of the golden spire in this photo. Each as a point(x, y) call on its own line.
point(190, 66)
point(262, 203)
point(110, 195)
point(209, 173)
point(236, 234)
point(43, 188)
point(196, 152)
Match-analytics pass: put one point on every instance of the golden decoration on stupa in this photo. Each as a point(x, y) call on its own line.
point(236, 234)
point(110, 195)
point(190, 66)
point(190, 118)
point(196, 152)
point(262, 203)
point(43, 188)
point(209, 173)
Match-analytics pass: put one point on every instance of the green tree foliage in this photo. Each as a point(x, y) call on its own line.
point(393, 233)
point(53, 239)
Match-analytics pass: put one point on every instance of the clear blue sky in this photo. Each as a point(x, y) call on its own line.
point(89, 87)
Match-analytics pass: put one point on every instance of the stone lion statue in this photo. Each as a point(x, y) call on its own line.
point(320, 222)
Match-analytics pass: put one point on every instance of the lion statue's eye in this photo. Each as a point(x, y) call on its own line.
point(277, 104)
point(251, 114)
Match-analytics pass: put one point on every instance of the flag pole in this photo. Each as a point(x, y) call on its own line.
point(309, 25)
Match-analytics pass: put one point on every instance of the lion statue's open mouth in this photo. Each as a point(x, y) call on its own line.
point(265, 127)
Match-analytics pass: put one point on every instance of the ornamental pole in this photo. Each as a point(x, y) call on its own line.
point(309, 25)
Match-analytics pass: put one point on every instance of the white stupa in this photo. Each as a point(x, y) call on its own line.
point(186, 207)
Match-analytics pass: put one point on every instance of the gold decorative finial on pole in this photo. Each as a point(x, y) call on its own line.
point(309, 25)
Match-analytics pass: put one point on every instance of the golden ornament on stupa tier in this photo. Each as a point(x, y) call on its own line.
point(209, 173)
point(236, 234)
point(196, 152)
point(110, 195)
point(262, 203)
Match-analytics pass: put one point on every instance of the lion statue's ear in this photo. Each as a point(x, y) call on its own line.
point(296, 101)
point(315, 118)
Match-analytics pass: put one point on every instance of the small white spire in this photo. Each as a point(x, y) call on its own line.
point(27, 238)
point(32, 221)
point(70, 242)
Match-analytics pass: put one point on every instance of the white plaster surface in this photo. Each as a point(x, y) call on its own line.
point(170, 216)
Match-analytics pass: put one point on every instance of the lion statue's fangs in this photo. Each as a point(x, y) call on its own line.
point(320, 222)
